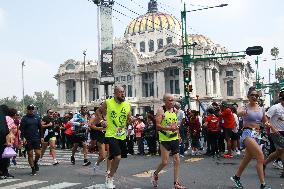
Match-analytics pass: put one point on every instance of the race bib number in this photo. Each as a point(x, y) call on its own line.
point(120, 131)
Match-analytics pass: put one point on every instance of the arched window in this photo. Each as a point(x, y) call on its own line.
point(160, 43)
point(70, 67)
point(142, 46)
point(151, 46)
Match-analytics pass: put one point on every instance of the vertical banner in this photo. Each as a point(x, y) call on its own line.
point(106, 41)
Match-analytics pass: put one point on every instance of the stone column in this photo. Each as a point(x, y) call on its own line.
point(218, 89)
point(87, 90)
point(78, 91)
point(207, 81)
point(155, 84)
point(161, 83)
point(62, 93)
point(210, 83)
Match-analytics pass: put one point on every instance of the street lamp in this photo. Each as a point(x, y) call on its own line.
point(23, 64)
point(84, 53)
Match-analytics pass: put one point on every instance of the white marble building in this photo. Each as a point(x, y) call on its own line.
point(146, 62)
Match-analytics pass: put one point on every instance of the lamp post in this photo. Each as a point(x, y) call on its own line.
point(85, 91)
point(23, 86)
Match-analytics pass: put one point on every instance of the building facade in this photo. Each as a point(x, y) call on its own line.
point(147, 62)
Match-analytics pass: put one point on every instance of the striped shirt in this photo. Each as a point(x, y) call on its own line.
point(276, 115)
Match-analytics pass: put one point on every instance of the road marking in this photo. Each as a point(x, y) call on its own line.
point(97, 186)
point(8, 180)
point(191, 160)
point(146, 174)
point(60, 185)
point(23, 184)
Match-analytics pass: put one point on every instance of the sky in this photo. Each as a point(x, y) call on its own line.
point(44, 34)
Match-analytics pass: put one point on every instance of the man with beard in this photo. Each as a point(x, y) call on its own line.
point(117, 112)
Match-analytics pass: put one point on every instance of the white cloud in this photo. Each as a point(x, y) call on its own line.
point(38, 76)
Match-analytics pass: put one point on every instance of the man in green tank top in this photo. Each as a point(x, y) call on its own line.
point(167, 125)
point(117, 112)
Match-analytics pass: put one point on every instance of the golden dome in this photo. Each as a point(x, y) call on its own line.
point(152, 20)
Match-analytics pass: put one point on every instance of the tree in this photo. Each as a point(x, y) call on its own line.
point(11, 102)
point(274, 52)
point(44, 101)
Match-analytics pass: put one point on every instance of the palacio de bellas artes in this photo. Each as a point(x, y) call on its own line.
point(147, 62)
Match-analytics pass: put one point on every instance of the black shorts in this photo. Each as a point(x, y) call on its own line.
point(49, 136)
point(78, 139)
point(171, 146)
point(33, 145)
point(235, 136)
point(116, 147)
point(99, 136)
point(228, 133)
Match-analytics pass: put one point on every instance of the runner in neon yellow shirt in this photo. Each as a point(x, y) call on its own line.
point(117, 112)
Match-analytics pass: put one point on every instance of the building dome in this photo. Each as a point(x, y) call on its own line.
point(152, 20)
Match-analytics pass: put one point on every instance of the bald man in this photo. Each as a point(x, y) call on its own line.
point(117, 112)
point(167, 125)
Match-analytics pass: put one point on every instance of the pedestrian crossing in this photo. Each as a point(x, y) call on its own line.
point(62, 156)
point(39, 184)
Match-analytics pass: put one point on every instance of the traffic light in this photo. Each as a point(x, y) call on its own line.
point(187, 75)
point(255, 50)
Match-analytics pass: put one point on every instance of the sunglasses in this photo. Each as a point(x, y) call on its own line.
point(256, 95)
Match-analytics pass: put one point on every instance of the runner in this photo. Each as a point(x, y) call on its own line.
point(166, 123)
point(79, 137)
point(117, 113)
point(31, 133)
point(253, 115)
point(49, 135)
point(276, 115)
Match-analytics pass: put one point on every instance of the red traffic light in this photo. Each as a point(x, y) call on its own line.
point(188, 88)
point(255, 50)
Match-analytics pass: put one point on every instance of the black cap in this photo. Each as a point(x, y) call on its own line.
point(30, 107)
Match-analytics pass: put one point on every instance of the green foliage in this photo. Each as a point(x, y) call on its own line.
point(42, 100)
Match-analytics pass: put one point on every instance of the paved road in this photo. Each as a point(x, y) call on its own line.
point(133, 173)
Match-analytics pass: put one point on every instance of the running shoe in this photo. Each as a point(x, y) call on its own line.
point(277, 165)
point(228, 156)
point(154, 179)
point(86, 163)
point(33, 171)
point(177, 185)
point(264, 186)
point(72, 160)
point(55, 163)
point(109, 183)
point(237, 182)
point(8, 176)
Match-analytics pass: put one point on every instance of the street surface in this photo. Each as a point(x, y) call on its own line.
point(199, 172)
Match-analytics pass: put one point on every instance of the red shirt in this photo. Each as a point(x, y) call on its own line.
point(68, 127)
point(212, 123)
point(228, 117)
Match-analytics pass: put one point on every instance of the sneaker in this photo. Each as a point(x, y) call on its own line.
point(55, 163)
point(36, 166)
point(8, 176)
point(264, 186)
point(228, 156)
point(177, 185)
point(109, 183)
point(237, 182)
point(238, 152)
point(282, 175)
point(277, 165)
point(86, 163)
point(33, 171)
point(73, 160)
point(154, 179)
